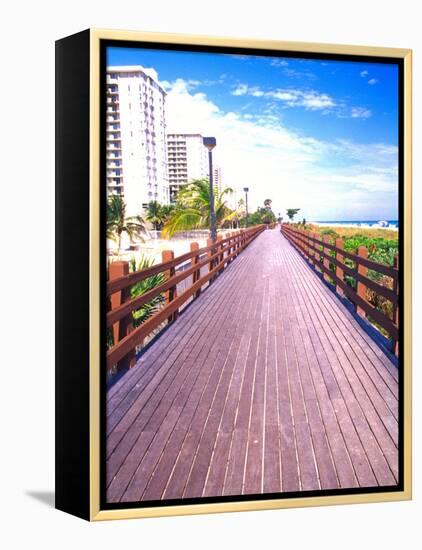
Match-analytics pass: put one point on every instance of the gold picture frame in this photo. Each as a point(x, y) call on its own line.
point(91, 508)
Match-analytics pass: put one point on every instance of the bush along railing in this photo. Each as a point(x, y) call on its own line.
point(200, 265)
point(354, 277)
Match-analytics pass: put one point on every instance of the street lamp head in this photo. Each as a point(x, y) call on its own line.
point(246, 189)
point(209, 142)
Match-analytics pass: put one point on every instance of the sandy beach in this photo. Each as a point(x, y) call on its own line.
point(153, 248)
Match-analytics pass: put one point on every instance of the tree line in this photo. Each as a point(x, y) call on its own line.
point(191, 211)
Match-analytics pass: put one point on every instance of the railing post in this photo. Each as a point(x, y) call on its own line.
point(361, 288)
point(317, 236)
point(230, 249)
point(171, 293)
point(123, 327)
point(304, 243)
point(339, 271)
point(300, 243)
point(194, 261)
point(396, 309)
point(210, 242)
point(295, 240)
point(308, 250)
point(310, 245)
point(220, 257)
point(326, 261)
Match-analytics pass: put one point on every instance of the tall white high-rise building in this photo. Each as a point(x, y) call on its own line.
point(136, 137)
point(187, 160)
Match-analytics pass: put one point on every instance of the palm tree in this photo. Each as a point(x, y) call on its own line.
point(154, 214)
point(165, 212)
point(291, 213)
point(267, 203)
point(118, 223)
point(192, 210)
point(142, 287)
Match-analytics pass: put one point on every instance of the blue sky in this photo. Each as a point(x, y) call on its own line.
point(322, 134)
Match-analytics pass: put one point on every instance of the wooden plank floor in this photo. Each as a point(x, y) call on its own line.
point(266, 383)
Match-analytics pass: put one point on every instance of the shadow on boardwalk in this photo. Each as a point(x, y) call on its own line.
point(265, 384)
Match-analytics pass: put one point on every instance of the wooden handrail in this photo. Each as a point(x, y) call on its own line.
point(137, 276)
point(136, 303)
point(308, 245)
point(379, 289)
point(370, 264)
point(219, 255)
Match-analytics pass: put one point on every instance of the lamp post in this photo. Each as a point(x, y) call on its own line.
point(246, 189)
point(210, 143)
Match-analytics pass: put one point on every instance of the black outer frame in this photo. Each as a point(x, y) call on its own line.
point(72, 275)
point(104, 44)
point(72, 272)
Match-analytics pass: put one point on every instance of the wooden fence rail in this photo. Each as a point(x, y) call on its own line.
point(215, 257)
point(330, 258)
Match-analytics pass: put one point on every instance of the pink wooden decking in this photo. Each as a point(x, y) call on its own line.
point(265, 384)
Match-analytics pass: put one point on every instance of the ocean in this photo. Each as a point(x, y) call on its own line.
point(376, 224)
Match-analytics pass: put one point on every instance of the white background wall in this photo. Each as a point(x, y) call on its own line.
point(27, 178)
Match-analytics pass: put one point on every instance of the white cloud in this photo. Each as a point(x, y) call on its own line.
point(190, 84)
point(372, 81)
point(284, 96)
point(308, 99)
point(364, 73)
point(277, 62)
point(256, 92)
point(314, 100)
point(326, 180)
point(241, 89)
point(240, 57)
point(360, 112)
point(293, 73)
point(291, 97)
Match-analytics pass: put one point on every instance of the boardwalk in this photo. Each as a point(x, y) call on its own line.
point(266, 383)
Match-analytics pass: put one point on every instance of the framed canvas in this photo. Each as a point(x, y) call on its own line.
point(233, 277)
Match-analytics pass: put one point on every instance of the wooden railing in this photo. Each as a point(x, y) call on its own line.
point(214, 258)
point(330, 258)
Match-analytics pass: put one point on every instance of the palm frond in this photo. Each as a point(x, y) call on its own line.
point(142, 287)
point(118, 223)
point(182, 220)
point(193, 208)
